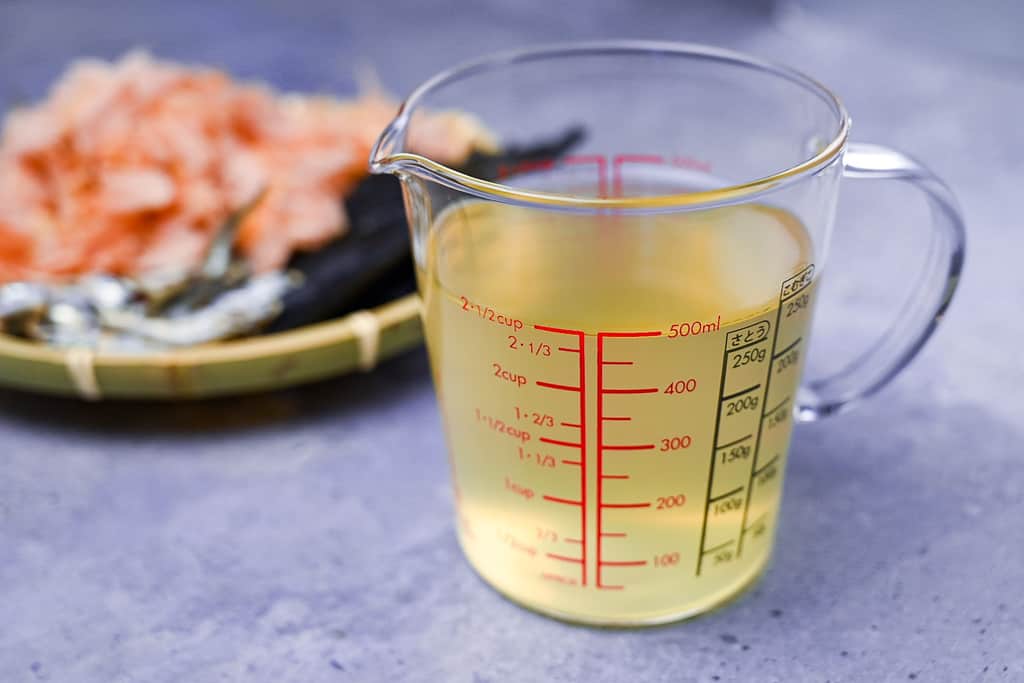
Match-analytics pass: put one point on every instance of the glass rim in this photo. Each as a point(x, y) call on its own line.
point(383, 162)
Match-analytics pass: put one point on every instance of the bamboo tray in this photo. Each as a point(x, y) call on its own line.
point(354, 342)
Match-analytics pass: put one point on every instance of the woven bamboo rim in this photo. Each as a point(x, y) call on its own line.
point(354, 342)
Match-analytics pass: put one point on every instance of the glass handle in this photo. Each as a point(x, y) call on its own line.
point(928, 300)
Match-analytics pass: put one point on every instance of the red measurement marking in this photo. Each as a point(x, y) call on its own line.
point(617, 362)
point(534, 165)
point(560, 387)
point(619, 159)
point(572, 540)
point(625, 505)
point(505, 170)
point(646, 390)
point(630, 563)
point(600, 448)
point(601, 419)
point(572, 424)
point(615, 476)
point(559, 578)
point(563, 558)
point(614, 534)
point(629, 335)
point(611, 588)
point(601, 163)
point(558, 330)
point(566, 501)
point(556, 442)
point(602, 169)
point(628, 447)
point(583, 431)
point(689, 162)
point(582, 390)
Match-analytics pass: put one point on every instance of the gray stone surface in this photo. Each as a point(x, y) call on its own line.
point(306, 535)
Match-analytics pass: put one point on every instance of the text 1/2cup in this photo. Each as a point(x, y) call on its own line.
point(617, 330)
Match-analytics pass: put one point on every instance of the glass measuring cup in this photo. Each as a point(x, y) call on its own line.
point(617, 331)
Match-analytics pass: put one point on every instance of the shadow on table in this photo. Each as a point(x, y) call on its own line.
point(342, 395)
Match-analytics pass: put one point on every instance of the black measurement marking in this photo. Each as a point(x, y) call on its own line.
point(790, 288)
point(759, 330)
point(764, 467)
point(711, 470)
point(748, 345)
point(734, 443)
point(789, 348)
point(756, 523)
point(760, 430)
point(780, 404)
point(797, 283)
point(726, 495)
point(740, 393)
point(717, 547)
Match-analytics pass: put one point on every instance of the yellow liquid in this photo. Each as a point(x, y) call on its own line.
point(602, 477)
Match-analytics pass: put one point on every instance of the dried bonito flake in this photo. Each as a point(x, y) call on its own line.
point(132, 166)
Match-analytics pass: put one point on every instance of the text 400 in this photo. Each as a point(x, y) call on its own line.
point(682, 386)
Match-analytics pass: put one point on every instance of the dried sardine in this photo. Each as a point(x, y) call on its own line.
point(181, 289)
point(219, 271)
point(21, 303)
point(67, 324)
point(160, 286)
point(231, 314)
point(221, 300)
point(107, 291)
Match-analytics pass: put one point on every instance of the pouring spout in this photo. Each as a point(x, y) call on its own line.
point(386, 152)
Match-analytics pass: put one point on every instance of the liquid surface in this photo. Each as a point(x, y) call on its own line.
point(617, 394)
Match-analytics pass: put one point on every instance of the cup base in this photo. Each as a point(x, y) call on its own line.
point(719, 599)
